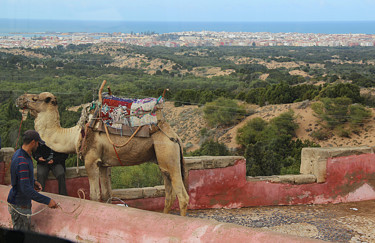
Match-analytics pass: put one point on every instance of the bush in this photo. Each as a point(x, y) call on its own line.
point(320, 134)
point(143, 175)
point(269, 147)
point(333, 111)
point(358, 114)
point(337, 112)
point(347, 90)
point(223, 112)
point(212, 148)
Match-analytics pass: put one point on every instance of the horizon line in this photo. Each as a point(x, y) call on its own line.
point(196, 21)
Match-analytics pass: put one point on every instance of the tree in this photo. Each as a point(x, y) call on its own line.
point(223, 112)
point(268, 146)
point(342, 90)
point(212, 148)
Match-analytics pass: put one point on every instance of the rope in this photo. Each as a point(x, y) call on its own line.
point(58, 205)
point(121, 145)
point(19, 129)
point(125, 204)
point(28, 215)
point(118, 157)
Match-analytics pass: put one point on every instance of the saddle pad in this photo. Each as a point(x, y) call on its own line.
point(117, 112)
point(144, 132)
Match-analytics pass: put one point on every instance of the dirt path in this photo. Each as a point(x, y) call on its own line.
point(344, 222)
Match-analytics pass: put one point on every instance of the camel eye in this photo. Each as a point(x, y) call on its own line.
point(47, 100)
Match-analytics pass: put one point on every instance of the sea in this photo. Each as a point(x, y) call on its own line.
point(11, 26)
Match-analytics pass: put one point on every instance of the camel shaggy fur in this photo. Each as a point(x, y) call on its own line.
point(163, 147)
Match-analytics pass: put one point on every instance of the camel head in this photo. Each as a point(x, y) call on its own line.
point(37, 103)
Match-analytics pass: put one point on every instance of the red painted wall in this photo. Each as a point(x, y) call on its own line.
point(2, 172)
point(350, 178)
point(72, 187)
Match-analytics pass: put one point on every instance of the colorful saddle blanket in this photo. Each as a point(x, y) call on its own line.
point(117, 112)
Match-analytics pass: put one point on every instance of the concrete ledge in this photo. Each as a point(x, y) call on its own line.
point(6, 155)
point(135, 193)
point(314, 160)
point(290, 179)
point(210, 162)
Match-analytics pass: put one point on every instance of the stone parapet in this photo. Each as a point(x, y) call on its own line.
point(291, 179)
point(6, 156)
point(135, 193)
point(210, 162)
point(314, 160)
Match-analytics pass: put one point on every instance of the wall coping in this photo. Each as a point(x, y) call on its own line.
point(314, 160)
point(289, 179)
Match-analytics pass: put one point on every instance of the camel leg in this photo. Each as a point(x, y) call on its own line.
point(168, 157)
point(170, 195)
point(182, 195)
point(105, 182)
point(91, 165)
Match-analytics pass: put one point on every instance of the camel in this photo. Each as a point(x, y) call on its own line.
point(162, 147)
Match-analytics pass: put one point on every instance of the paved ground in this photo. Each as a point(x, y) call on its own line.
point(345, 222)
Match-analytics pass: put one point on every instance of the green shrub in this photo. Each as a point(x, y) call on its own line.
point(336, 112)
point(269, 147)
point(223, 112)
point(321, 134)
point(342, 132)
point(143, 175)
point(212, 148)
point(358, 114)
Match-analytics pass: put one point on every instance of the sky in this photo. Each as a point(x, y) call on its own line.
point(190, 10)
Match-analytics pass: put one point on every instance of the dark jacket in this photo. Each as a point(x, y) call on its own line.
point(22, 177)
point(46, 153)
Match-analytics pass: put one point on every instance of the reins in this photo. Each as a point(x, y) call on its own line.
point(19, 129)
point(58, 205)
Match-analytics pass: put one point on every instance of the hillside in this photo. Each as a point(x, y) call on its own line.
point(188, 121)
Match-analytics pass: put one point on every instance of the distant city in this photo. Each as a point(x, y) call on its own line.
point(188, 38)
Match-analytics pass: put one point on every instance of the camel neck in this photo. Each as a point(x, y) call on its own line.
point(62, 140)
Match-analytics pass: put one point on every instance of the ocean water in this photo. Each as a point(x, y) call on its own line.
point(34, 26)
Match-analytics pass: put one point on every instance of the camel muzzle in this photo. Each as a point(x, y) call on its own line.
point(21, 102)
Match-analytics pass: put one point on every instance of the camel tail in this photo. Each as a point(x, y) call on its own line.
point(184, 171)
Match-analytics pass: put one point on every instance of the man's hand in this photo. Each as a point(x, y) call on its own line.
point(37, 186)
point(52, 204)
point(50, 162)
point(41, 159)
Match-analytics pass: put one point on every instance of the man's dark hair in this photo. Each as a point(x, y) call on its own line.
point(27, 141)
point(31, 135)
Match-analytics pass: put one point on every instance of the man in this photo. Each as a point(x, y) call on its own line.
point(24, 187)
point(50, 160)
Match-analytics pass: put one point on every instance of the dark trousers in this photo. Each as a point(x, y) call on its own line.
point(57, 170)
point(19, 221)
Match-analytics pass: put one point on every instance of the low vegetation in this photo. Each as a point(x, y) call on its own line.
point(74, 74)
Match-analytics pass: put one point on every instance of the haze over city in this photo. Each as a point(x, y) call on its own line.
point(194, 10)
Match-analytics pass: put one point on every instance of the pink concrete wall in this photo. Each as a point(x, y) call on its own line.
point(350, 178)
point(73, 185)
point(88, 221)
point(2, 172)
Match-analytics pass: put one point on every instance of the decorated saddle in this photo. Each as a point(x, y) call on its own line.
point(122, 115)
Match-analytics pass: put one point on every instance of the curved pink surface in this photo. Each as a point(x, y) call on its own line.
point(83, 220)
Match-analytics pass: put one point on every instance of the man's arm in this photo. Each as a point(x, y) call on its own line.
point(25, 185)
